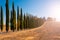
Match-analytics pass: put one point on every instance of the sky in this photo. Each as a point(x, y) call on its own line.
point(39, 8)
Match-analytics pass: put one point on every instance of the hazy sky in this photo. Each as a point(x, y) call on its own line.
point(39, 8)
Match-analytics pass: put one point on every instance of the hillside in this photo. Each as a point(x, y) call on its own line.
point(48, 31)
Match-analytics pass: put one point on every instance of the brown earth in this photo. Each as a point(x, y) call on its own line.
point(48, 31)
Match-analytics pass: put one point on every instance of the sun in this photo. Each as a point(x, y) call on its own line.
point(55, 10)
point(57, 14)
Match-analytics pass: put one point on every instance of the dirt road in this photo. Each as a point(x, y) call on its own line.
point(48, 31)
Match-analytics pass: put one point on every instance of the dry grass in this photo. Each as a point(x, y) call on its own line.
point(48, 31)
point(20, 35)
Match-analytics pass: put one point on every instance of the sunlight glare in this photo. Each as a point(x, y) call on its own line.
point(55, 10)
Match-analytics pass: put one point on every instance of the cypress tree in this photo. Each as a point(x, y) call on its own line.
point(11, 21)
point(1, 19)
point(7, 16)
point(14, 17)
point(18, 19)
point(24, 22)
point(21, 20)
point(27, 21)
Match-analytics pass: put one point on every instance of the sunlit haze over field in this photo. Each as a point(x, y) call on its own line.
point(55, 11)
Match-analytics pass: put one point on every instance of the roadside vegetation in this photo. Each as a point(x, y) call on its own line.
point(17, 20)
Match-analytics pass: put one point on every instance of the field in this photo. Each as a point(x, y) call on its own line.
point(48, 31)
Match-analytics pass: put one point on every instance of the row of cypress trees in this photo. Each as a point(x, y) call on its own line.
point(25, 21)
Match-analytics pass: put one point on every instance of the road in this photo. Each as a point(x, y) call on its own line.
point(48, 31)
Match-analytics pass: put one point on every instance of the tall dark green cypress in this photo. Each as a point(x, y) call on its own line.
point(14, 17)
point(18, 19)
point(7, 16)
point(11, 26)
point(1, 19)
point(27, 21)
point(24, 22)
point(21, 20)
